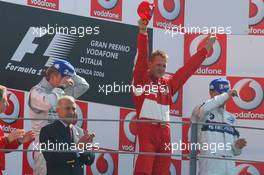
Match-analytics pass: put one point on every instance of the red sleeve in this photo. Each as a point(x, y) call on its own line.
point(184, 73)
point(3, 142)
point(12, 145)
point(141, 61)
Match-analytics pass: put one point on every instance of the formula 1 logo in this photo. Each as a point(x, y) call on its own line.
point(249, 169)
point(48, 4)
point(127, 130)
point(14, 111)
point(108, 9)
point(105, 164)
point(249, 104)
point(28, 47)
point(168, 13)
point(256, 17)
point(215, 63)
point(28, 159)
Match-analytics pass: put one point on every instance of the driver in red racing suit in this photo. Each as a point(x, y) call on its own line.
point(152, 94)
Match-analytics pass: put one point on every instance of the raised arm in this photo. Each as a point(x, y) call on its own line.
point(184, 73)
point(141, 61)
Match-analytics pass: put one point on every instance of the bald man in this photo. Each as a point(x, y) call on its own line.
point(61, 133)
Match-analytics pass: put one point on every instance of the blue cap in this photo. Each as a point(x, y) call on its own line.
point(220, 85)
point(64, 67)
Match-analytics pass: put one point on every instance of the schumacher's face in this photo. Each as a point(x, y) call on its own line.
point(158, 66)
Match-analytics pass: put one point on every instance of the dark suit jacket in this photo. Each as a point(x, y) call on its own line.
point(62, 163)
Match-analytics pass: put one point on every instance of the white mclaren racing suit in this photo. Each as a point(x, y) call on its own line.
point(215, 136)
point(42, 103)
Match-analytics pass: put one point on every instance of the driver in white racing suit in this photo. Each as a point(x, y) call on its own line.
point(213, 112)
point(60, 79)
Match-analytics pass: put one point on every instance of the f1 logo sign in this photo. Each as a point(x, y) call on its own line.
point(59, 42)
point(107, 9)
point(168, 13)
point(249, 104)
point(215, 63)
point(256, 17)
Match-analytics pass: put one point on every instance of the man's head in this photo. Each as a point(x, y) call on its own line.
point(58, 71)
point(219, 86)
point(158, 63)
point(66, 109)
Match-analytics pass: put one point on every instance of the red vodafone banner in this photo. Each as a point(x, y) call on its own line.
point(108, 9)
point(249, 105)
point(48, 4)
point(169, 13)
point(215, 64)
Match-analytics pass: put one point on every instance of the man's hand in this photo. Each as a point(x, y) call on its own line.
point(87, 138)
point(142, 26)
point(15, 135)
point(27, 137)
point(240, 143)
point(210, 42)
point(232, 93)
point(67, 82)
point(3, 99)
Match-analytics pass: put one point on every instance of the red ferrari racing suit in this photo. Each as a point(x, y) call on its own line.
point(5, 145)
point(155, 105)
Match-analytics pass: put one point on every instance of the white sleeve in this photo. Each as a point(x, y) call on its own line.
point(200, 112)
point(79, 88)
point(213, 103)
point(236, 151)
point(42, 101)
